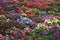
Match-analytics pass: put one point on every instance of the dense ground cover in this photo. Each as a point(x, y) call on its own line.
point(30, 20)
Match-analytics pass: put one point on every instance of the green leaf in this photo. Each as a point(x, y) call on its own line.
point(55, 20)
point(23, 25)
point(48, 21)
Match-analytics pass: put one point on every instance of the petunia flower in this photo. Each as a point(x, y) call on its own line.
point(44, 18)
point(29, 36)
point(22, 38)
point(56, 2)
point(1, 36)
point(27, 28)
point(46, 32)
point(29, 15)
point(23, 33)
point(56, 34)
point(18, 21)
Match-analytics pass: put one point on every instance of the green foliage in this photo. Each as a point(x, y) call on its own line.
point(22, 26)
point(48, 21)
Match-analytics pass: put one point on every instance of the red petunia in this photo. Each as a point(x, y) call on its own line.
point(3, 22)
point(29, 15)
point(56, 3)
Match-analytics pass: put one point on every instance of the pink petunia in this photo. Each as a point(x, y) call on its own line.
point(22, 38)
point(23, 33)
point(1, 36)
point(29, 36)
point(27, 28)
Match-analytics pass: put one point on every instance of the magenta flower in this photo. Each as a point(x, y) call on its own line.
point(29, 36)
point(3, 1)
point(15, 32)
point(58, 29)
point(18, 21)
point(27, 28)
point(23, 33)
point(56, 2)
point(47, 17)
point(44, 17)
point(56, 34)
point(22, 38)
point(1, 36)
point(46, 32)
point(50, 17)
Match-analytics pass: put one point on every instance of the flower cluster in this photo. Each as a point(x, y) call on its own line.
point(30, 20)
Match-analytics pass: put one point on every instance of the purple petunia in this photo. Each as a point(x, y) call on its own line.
point(44, 17)
point(57, 29)
point(2, 1)
point(56, 34)
point(14, 15)
point(47, 17)
point(18, 21)
point(46, 32)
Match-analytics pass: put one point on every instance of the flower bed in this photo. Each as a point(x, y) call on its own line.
point(30, 20)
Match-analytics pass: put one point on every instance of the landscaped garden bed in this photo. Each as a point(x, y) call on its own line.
point(37, 20)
